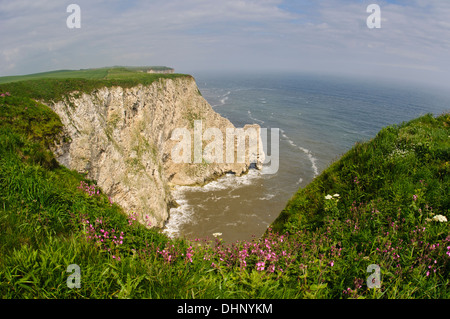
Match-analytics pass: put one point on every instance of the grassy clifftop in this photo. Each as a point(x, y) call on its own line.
point(106, 73)
point(385, 202)
point(53, 86)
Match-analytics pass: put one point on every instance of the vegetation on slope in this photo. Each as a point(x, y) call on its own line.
point(391, 208)
point(385, 202)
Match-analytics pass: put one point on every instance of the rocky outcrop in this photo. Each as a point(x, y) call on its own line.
point(122, 139)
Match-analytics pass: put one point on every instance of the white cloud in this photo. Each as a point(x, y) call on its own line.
point(204, 34)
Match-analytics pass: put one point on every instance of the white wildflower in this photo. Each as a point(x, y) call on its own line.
point(440, 218)
point(328, 197)
point(217, 234)
point(398, 152)
point(336, 195)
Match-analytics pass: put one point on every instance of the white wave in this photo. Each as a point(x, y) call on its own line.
point(222, 99)
point(184, 213)
point(312, 160)
point(254, 119)
point(225, 98)
point(311, 157)
point(228, 181)
point(231, 224)
point(178, 217)
point(267, 197)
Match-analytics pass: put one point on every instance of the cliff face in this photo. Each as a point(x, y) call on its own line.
point(121, 137)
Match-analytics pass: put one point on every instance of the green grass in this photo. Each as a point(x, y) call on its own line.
point(60, 74)
point(90, 74)
point(390, 189)
point(54, 86)
point(387, 170)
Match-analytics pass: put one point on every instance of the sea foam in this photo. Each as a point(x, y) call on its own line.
point(311, 157)
point(184, 213)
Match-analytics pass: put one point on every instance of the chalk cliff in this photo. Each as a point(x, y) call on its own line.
point(121, 137)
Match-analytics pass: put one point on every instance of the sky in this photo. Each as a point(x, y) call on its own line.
point(323, 36)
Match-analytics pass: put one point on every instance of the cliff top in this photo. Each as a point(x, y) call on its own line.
point(54, 85)
point(104, 73)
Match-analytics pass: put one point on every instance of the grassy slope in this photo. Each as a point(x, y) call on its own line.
point(322, 249)
point(400, 162)
point(390, 189)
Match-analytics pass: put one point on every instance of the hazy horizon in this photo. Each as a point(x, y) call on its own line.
point(195, 36)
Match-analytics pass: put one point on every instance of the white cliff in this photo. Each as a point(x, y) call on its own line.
point(121, 137)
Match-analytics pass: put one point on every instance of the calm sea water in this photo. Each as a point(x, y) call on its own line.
point(319, 118)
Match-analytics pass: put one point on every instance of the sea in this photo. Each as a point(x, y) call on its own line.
point(319, 118)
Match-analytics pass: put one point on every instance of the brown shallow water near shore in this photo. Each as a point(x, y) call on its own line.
point(238, 208)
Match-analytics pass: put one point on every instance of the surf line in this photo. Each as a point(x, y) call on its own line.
point(254, 119)
point(225, 97)
point(185, 212)
point(311, 157)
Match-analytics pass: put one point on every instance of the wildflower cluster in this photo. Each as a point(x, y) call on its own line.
point(398, 153)
point(91, 190)
point(335, 196)
point(357, 284)
point(168, 253)
point(189, 254)
point(273, 253)
point(5, 94)
point(132, 218)
point(172, 253)
point(439, 218)
point(107, 240)
point(330, 204)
